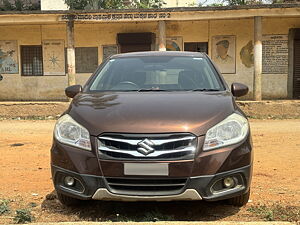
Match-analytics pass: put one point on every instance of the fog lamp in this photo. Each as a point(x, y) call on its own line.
point(69, 181)
point(229, 182)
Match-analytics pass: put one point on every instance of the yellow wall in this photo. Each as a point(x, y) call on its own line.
point(17, 87)
point(191, 31)
point(243, 30)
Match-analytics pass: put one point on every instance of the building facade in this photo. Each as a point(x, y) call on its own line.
point(41, 53)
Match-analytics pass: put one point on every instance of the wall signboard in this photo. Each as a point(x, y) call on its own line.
point(54, 57)
point(9, 57)
point(117, 16)
point(275, 54)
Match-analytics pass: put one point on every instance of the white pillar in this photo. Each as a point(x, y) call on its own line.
point(71, 53)
point(162, 36)
point(257, 58)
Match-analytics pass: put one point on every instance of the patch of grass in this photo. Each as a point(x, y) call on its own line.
point(151, 216)
point(29, 118)
point(32, 204)
point(272, 117)
point(4, 206)
point(118, 218)
point(276, 212)
point(157, 216)
point(23, 216)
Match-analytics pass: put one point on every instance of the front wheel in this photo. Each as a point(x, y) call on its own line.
point(66, 200)
point(240, 200)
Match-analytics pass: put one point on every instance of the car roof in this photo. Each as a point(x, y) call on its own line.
point(158, 53)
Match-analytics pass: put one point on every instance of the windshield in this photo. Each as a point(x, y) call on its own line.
point(157, 73)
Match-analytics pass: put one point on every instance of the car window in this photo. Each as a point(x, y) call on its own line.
point(168, 73)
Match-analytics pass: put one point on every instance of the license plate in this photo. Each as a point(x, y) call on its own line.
point(146, 169)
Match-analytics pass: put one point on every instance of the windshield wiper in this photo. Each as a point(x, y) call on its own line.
point(205, 89)
point(150, 89)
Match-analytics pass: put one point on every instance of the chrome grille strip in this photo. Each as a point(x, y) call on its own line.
point(187, 150)
point(156, 142)
point(152, 146)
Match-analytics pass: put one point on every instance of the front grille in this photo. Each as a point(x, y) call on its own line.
point(147, 147)
point(146, 187)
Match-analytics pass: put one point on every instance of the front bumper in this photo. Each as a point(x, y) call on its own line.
point(94, 176)
point(196, 188)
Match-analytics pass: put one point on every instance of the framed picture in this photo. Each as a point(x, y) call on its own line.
point(174, 44)
point(54, 57)
point(223, 52)
point(9, 57)
point(109, 50)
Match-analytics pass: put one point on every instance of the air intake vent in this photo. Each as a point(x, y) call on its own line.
point(146, 187)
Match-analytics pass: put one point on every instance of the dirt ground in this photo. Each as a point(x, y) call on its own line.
point(282, 109)
point(26, 180)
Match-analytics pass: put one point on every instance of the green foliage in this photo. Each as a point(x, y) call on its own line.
point(149, 3)
point(23, 216)
point(7, 6)
point(243, 2)
point(276, 212)
point(94, 4)
point(112, 4)
point(19, 5)
point(32, 204)
point(150, 216)
point(283, 1)
point(216, 4)
point(236, 2)
point(77, 4)
point(4, 208)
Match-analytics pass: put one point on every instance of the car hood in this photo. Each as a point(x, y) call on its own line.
point(151, 112)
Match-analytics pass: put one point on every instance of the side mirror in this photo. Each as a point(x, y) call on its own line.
point(73, 90)
point(238, 89)
point(1, 77)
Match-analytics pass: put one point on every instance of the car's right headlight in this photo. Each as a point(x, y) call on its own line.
point(230, 131)
point(68, 131)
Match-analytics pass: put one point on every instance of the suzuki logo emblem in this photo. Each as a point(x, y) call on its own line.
point(145, 147)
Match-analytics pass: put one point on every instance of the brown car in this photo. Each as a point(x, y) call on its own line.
point(153, 126)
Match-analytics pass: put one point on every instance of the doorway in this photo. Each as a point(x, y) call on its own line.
point(135, 42)
point(296, 69)
point(196, 47)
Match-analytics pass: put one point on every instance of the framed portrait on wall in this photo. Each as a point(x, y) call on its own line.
point(174, 44)
point(109, 50)
point(223, 52)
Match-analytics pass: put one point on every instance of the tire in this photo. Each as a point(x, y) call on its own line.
point(240, 200)
point(66, 200)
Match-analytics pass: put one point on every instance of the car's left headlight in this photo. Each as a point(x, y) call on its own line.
point(68, 131)
point(230, 131)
